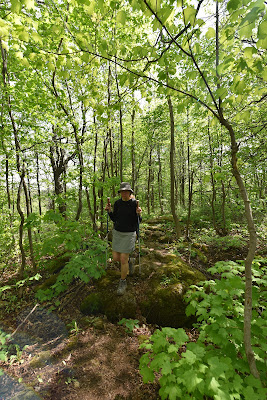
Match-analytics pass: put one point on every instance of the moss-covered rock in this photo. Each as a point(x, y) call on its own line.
point(158, 293)
point(104, 299)
point(41, 359)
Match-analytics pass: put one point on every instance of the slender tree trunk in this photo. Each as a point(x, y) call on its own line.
point(160, 183)
point(7, 183)
point(182, 175)
point(213, 183)
point(94, 178)
point(81, 167)
point(38, 183)
point(121, 130)
point(190, 179)
point(172, 149)
point(28, 188)
point(22, 219)
point(251, 251)
point(133, 149)
point(149, 181)
point(110, 130)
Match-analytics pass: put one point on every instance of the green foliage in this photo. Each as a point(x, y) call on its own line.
point(67, 235)
point(84, 267)
point(73, 327)
point(234, 240)
point(130, 324)
point(3, 346)
point(215, 365)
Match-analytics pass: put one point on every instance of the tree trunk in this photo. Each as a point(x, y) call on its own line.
point(251, 251)
point(110, 130)
point(172, 149)
point(7, 183)
point(38, 183)
point(160, 183)
point(149, 181)
point(121, 130)
point(133, 150)
point(190, 179)
point(22, 219)
point(213, 183)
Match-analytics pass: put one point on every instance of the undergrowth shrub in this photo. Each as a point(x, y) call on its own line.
point(215, 366)
point(84, 266)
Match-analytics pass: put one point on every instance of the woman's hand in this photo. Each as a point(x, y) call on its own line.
point(108, 206)
point(138, 210)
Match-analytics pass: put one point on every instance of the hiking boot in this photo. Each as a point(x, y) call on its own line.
point(131, 266)
point(122, 287)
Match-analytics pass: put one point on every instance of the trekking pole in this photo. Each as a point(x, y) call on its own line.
point(107, 236)
point(138, 233)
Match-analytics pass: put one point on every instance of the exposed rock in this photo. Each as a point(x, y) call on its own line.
point(158, 295)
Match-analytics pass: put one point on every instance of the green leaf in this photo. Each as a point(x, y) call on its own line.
point(189, 15)
point(190, 357)
point(15, 6)
point(174, 393)
point(121, 17)
point(91, 8)
point(214, 385)
point(180, 336)
point(233, 5)
point(147, 374)
point(262, 29)
point(210, 33)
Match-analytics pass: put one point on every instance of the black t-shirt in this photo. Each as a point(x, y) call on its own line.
point(124, 216)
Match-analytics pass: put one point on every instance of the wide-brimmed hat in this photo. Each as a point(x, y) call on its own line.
point(125, 186)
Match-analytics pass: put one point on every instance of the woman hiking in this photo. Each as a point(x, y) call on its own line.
point(126, 217)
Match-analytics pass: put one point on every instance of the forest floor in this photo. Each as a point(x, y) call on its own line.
point(72, 356)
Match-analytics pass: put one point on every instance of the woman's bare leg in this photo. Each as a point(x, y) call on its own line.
point(124, 265)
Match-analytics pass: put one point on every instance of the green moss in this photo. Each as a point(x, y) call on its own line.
point(47, 283)
point(41, 359)
point(92, 304)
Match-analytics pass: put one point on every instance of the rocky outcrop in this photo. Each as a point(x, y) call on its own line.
point(157, 294)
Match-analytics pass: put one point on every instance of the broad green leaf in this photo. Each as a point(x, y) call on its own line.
point(249, 51)
point(210, 33)
point(25, 62)
point(262, 29)
point(15, 6)
point(121, 17)
point(180, 336)
point(90, 9)
point(262, 43)
point(233, 5)
point(245, 115)
point(191, 380)
point(214, 385)
point(189, 15)
point(36, 37)
point(264, 74)
point(24, 36)
point(148, 375)
point(246, 30)
point(190, 357)
point(174, 393)
point(155, 4)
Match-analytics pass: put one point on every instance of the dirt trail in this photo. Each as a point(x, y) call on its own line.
point(98, 360)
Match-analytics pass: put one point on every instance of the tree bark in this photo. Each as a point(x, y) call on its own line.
point(251, 251)
point(172, 149)
point(133, 150)
point(38, 183)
